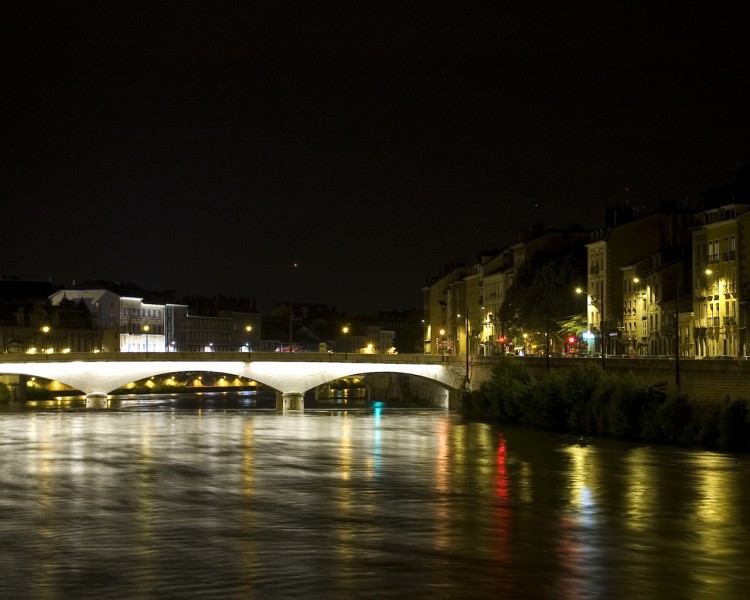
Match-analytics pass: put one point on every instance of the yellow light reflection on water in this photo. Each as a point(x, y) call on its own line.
point(578, 551)
point(640, 494)
point(345, 449)
point(581, 475)
point(715, 515)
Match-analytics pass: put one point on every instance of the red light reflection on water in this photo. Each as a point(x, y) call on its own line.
point(502, 506)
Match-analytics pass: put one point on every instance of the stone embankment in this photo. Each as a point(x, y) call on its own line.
point(706, 379)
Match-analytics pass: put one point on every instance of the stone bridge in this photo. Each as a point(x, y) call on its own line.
point(290, 374)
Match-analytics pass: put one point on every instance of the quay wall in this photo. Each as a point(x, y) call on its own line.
point(705, 379)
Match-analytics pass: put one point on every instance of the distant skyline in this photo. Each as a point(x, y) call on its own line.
point(207, 147)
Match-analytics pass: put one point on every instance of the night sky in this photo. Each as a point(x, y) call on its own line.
point(207, 146)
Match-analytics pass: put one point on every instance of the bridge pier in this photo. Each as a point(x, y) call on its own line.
point(290, 401)
point(96, 400)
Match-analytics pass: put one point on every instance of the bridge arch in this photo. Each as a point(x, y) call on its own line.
point(288, 377)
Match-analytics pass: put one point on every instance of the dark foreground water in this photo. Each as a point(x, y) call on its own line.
point(196, 499)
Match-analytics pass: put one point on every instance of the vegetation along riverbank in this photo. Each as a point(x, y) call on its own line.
point(587, 400)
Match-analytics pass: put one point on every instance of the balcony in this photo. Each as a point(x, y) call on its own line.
point(731, 255)
point(594, 270)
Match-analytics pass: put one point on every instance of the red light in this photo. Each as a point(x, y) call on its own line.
point(571, 340)
point(501, 339)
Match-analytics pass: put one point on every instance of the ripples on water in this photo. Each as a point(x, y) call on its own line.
point(198, 498)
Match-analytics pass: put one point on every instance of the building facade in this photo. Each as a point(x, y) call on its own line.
point(721, 281)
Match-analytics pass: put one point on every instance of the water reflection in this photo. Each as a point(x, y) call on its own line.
point(165, 498)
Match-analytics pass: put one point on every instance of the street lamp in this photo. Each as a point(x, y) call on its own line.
point(424, 337)
point(466, 321)
point(442, 342)
point(248, 329)
point(344, 342)
point(146, 329)
point(46, 329)
point(525, 337)
point(600, 308)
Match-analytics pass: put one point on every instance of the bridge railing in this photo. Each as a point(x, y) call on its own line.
point(230, 357)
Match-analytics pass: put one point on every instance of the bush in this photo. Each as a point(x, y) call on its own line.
point(674, 419)
point(623, 413)
point(548, 407)
point(507, 390)
point(588, 400)
point(706, 423)
point(578, 393)
point(475, 403)
point(733, 426)
point(650, 402)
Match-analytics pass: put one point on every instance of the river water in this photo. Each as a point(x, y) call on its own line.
point(195, 498)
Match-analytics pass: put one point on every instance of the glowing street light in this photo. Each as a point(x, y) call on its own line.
point(442, 342)
point(46, 329)
point(146, 329)
point(248, 329)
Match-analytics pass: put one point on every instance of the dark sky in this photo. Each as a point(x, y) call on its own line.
point(207, 146)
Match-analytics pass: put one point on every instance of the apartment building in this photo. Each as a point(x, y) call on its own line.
point(435, 308)
point(654, 296)
point(721, 281)
point(631, 244)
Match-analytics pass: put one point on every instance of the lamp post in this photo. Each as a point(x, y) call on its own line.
point(295, 266)
point(707, 340)
point(46, 329)
point(525, 337)
point(466, 322)
point(424, 337)
point(600, 308)
point(442, 342)
point(502, 328)
point(677, 336)
point(546, 333)
point(248, 329)
point(146, 329)
point(345, 331)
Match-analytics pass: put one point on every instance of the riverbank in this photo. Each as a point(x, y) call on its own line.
point(586, 400)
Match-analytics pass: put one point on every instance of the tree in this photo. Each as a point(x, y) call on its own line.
point(543, 288)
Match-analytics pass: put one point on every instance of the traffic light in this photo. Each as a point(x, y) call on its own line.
point(571, 339)
point(501, 339)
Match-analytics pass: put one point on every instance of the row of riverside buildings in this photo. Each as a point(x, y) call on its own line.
point(671, 281)
point(104, 316)
point(101, 316)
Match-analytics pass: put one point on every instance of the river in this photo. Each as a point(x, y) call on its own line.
point(202, 498)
